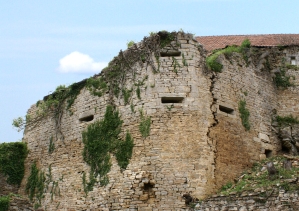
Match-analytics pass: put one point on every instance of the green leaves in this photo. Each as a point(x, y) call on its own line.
point(100, 139)
point(215, 66)
point(145, 125)
point(244, 114)
point(4, 203)
point(12, 157)
point(35, 183)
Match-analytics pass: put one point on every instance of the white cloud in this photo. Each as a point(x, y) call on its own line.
point(77, 62)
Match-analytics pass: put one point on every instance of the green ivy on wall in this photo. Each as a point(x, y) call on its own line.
point(35, 185)
point(144, 125)
point(100, 139)
point(244, 114)
point(12, 157)
point(4, 203)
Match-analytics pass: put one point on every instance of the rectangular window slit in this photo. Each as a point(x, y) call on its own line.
point(226, 109)
point(172, 99)
point(170, 53)
point(293, 60)
point(86, 118)
point(268, 153)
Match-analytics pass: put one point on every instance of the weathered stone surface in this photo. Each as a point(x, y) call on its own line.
point(194, 146)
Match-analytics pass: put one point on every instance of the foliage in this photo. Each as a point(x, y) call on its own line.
point(287, 120)
point(175, 65)
point(214, 65)
point(281, 80)
point(100, 139)
point(130, 43)
point(35, 184)
point(144, 125)
point(166, 38)
point(96, 86)
point(244, 114)
point(293, 67)
point(184, 60)
point(12, 157)
point(258, 178)
point(246, 44)
point(127, 95)
point(52, 104)
point(51, 145)
point(124, 151)
point(4, 203)
point(132, 108)
point(226, 186)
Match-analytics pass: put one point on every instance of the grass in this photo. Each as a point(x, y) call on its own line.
point(287, 120)
point(212, 60)
point(258, 177)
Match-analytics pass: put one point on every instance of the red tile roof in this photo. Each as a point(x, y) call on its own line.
point(217, 42)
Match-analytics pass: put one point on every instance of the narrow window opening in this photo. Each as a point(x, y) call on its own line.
point(293, 60)
point(268, 153)
point(170, 53)
point(226, 109)
point(86, 118)
point(172, 99)
point(285, 149)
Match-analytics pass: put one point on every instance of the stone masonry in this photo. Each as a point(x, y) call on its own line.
point(196, 144)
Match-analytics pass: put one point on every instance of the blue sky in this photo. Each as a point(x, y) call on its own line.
point(44, 44)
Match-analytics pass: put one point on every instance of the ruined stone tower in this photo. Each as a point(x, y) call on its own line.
point(196, 140)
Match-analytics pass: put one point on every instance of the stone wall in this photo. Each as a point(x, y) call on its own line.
point(6, 188)
point(173, 160)
point(195, 145)
point(273, 200)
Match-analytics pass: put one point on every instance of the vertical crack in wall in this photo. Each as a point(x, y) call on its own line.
point(213, 108)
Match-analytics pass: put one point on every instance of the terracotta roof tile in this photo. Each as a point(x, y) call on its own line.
point(217, 42)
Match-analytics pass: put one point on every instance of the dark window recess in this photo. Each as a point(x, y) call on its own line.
point(172, 99)
point(284, 149)
point(170, 53)
point(226, 109)
point(86, 118)
point(268, 153)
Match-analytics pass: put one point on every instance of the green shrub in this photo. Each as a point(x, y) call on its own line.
point(287, 120)
point(246, 43)
point(145, 125)
point(244, 114)
point(126, 95)
point(124, 151)
point(281, 80)
point(100, 139)
point(12, 157)
point(96, 86)
point(35, 184)
point(51, 146)
point(130, 43)
point(4, 203)
point(215, 66)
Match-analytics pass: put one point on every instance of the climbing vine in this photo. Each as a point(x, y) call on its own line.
point(35, 184)
point(244, 114)
point(54, 104)
point(4, 203)
point(124, 151)
point(38, 183)
point(12, 157)
point(111, 80)
point(100, 139)
point(144, 125)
